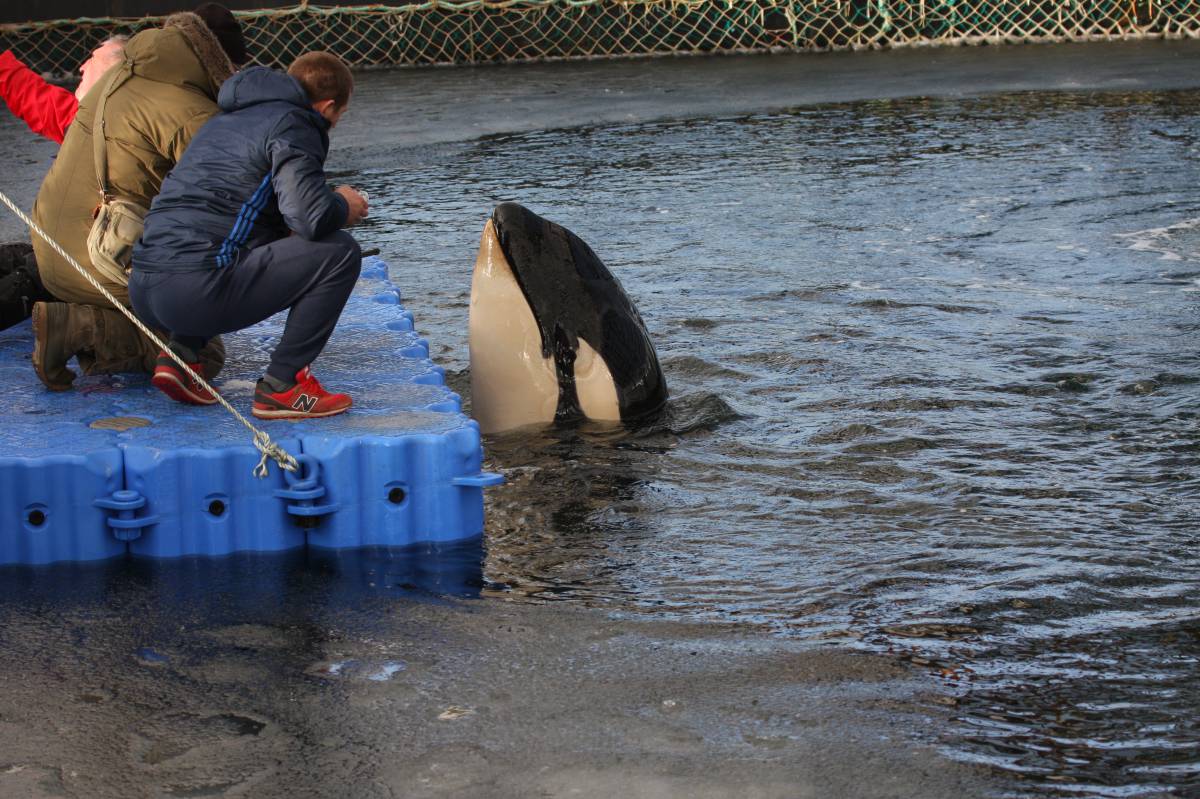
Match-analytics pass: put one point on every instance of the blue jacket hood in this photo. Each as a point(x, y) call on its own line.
point(251, 175)
point(261, 85)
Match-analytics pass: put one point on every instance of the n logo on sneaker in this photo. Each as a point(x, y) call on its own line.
point(304, 403)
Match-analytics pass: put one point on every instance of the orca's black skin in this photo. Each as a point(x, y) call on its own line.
point(573, 296)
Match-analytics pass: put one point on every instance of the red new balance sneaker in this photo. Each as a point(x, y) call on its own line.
point(305, 400)
point(177, 384)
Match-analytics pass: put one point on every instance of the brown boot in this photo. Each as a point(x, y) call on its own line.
point(55, 341)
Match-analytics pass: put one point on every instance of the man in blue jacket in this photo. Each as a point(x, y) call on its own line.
point(246, 226)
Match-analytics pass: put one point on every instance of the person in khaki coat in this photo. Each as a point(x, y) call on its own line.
point(164, 91)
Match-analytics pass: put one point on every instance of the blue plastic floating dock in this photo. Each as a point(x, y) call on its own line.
point(114, 466)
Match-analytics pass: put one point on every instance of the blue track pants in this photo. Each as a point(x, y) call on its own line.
point(312, 278)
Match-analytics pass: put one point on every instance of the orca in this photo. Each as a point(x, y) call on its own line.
point(553, 336)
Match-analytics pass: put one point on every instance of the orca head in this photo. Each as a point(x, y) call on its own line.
point(553, 336)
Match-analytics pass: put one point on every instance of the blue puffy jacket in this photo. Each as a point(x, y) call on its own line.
point(250, 175)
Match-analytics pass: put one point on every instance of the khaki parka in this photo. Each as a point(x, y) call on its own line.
point(165, 90)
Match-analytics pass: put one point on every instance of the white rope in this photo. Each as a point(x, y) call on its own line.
point(262, 441)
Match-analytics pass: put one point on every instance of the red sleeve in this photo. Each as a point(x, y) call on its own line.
point(47, 109)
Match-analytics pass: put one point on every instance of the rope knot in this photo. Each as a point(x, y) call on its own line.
point(271, 450)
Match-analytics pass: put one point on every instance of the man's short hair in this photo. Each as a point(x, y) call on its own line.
point(324, 76)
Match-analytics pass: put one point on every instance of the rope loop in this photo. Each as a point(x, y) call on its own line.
point(271, 450)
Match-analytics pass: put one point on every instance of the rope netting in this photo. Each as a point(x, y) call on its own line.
point(475, 31)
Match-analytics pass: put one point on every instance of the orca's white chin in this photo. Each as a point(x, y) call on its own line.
point(512, 385)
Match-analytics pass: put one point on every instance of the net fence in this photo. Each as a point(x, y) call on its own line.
point(478, 31)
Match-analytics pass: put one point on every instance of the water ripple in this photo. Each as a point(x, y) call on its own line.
point(933, 366)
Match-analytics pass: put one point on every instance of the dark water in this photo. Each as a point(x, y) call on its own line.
point(934, 373)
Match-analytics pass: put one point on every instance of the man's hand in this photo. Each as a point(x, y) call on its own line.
point(357, 204)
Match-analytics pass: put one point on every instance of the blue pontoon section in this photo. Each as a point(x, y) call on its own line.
point(113, 466)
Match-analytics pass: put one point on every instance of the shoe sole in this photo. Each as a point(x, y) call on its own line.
point(285, 413)
point(171, 386)
point(39, 356)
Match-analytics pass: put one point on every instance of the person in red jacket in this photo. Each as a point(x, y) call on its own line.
point(48, 109)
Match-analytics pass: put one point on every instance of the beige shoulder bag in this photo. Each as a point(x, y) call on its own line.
point(118, 223)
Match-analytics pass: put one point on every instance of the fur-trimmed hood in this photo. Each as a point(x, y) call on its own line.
point(161, 94)
point(182, 52)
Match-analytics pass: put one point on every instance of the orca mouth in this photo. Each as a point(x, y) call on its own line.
point(512, 384)
point(523, 235)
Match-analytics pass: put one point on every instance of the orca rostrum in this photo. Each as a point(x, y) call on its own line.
point(553, 335)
